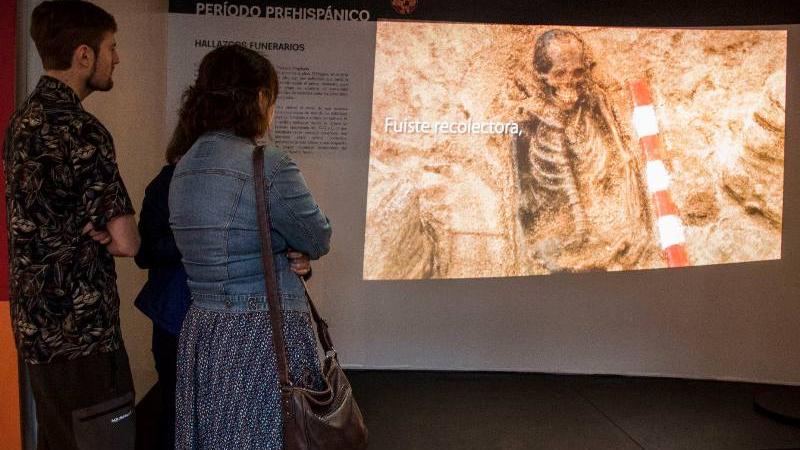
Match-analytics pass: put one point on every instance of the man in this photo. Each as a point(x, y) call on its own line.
point(68, 215)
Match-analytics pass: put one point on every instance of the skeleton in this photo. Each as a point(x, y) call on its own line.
point(571, 150)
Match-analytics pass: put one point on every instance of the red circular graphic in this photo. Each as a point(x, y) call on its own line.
point(404, 6)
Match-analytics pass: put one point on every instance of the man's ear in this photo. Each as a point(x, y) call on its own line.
point(83, 57)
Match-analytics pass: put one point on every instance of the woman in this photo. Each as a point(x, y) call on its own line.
point(227, 390)
point(165, 297)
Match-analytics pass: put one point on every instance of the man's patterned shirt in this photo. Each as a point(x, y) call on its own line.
point(61, 173)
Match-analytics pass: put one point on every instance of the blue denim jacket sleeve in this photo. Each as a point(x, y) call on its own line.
point(294, 212)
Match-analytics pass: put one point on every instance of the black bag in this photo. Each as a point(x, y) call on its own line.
point(312, 420)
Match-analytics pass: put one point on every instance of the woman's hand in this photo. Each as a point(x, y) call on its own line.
point(299, 262)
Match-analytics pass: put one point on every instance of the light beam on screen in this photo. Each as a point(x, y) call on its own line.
point(504, 150)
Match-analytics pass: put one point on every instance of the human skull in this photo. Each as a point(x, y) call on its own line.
point(567, 75)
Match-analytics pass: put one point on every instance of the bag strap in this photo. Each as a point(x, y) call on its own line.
point(271, 280)
point(322, 326)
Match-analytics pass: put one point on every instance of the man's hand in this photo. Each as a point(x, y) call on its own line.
point(121, 236)
point(299, 262)
point(103, 237)
point(125, 239)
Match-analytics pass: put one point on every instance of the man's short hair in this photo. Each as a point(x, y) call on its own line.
point(59, 27)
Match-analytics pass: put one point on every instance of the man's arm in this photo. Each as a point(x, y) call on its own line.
point(125, 239)
point(108, 207)
point(121, 237)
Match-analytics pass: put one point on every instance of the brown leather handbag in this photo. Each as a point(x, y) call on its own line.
point(312, 420)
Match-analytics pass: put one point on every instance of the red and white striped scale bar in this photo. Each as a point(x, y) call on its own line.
point(668, 221)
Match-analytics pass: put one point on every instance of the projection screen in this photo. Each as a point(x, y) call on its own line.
point(498, 208)
point(526, 150)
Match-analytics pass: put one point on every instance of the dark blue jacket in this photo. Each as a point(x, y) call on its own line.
point(165, 297)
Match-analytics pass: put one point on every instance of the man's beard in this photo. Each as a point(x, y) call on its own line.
point(99, 85)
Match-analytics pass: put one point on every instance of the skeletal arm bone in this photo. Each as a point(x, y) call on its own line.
point(635, 200)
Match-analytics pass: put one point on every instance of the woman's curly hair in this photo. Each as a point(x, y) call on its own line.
point(225, 97)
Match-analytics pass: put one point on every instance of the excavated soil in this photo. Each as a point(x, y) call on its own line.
point(447, 206)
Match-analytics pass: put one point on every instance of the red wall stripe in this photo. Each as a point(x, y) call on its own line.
point(8, 54)
point(10, 423)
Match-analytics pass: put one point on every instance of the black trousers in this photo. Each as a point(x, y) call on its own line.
point(85, 403)
point(165, 353)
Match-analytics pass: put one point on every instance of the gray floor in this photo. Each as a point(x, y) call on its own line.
point(445, 410)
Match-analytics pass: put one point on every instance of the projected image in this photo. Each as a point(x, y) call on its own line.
point(518, 150)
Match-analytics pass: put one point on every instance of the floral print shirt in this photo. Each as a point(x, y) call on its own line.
point(61, 173)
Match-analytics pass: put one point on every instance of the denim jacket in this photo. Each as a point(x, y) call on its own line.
point(213, 217)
